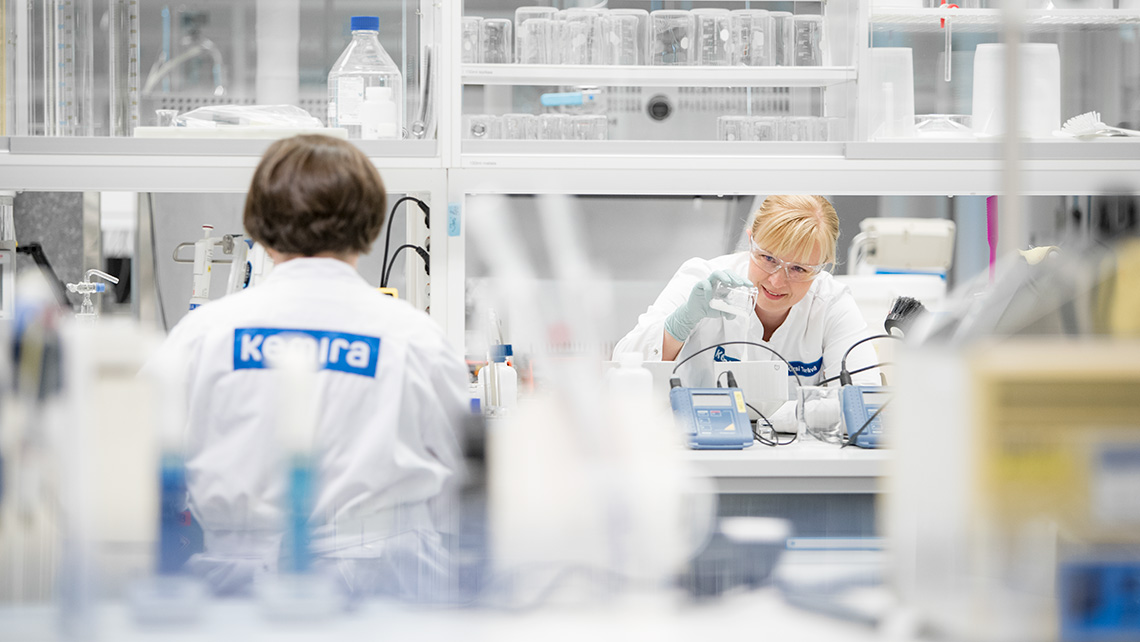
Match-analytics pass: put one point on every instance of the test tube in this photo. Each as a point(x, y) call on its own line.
point(497, 41)
point(642, 32)
point(751, 37)
point(713, 36)
point(522, 15)
point(781, 38)
point(471, 39)
point(807, 39)
point(672, 37)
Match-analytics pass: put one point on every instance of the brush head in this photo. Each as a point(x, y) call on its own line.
point(903, 313)
point(1085, 124)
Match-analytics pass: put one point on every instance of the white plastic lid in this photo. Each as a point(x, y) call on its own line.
point(378, 93)
point(629, 359)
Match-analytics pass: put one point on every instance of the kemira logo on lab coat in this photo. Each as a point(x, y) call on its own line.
point(255, 348)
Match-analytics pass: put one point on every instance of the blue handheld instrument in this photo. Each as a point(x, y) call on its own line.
point(713, 418)
point(859, 404)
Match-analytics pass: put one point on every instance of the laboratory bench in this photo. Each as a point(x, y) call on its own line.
point(803, 467)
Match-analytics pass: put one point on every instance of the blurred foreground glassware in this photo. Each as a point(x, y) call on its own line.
point(482, 127)
point(751, 37)
point(807, 40)
point(497, 41)
point(713, 36)
point(471, 39)
point(588, 127)
point(673, 36)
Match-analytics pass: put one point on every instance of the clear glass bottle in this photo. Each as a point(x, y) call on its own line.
point(363, 64)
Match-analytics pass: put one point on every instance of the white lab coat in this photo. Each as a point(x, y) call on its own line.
point(386, 445)
point(813, 338)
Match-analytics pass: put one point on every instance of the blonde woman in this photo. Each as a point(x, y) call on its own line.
point(801, 311)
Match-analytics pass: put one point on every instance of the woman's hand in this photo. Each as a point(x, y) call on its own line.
point(684, 319)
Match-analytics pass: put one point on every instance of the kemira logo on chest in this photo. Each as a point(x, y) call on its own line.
point(256, 348)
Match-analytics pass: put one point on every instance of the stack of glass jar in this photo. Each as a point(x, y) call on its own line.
point(531, 127)
point(708, 36)
point(780, 128)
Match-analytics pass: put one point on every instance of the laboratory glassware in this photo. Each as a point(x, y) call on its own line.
point(588, 127)
point(621, 43)
point(751, 37)
point(533, 42)
point(363, 64)
point(69, 68)
point(1040, 91)
point(482, 127)
point(807, 40)
point(165, 117)
point(891, 88)
point(497, 41)
point(673, 36)
point(836, 128)
point(782, 38)
point(733, 128)
point(713, 36)
point(766, 128)
point(581, 36)
point(818, 413)
point(553, 126)
point(519, 127)
point(738, 300)
point(522, 15)
point(642, 33)
point(805, 128)
point(471, 40)
point(943, 126)
point(123, 68)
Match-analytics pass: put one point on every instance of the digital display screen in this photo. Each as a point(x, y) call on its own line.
point(713, 401)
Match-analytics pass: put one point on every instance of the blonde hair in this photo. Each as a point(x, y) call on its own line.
point(794, 226)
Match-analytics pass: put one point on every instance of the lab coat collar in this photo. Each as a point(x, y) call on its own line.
point(314, 268)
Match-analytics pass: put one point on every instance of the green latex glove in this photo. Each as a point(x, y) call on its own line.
point(684, 319)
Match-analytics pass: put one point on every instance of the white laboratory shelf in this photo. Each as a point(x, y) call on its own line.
point(989, 20)
point(807, 466)
point(656, 76)
point(149, 165)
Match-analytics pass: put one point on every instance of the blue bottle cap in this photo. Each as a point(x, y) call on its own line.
point(365, 23)
point(501, 351)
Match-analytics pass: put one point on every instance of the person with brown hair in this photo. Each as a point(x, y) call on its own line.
point(390, 391)
point(800, 311)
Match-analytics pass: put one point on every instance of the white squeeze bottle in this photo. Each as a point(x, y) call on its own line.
point(629, 382)
point(378, 114)
point(363, 64)
point(500, 382)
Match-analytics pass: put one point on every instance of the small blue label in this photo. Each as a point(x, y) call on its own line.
point(339, 351)
point(453, 219)
point(807, 369)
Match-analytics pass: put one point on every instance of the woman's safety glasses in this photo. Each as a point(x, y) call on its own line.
point(794, 271)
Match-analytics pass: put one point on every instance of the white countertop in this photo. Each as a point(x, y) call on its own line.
point(805, 466)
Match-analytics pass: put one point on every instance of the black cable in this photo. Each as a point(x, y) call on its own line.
point(775, 441)
point(855, 372)
point(388, 235)
point(852, 437)
point(844, 376)
point(747, 343)
point(387, 273)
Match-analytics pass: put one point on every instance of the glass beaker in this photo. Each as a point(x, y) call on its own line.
point(482, 127)
point(751, 37)
point(732, 128)
point(553, 126)
point(525, 36)
point(471, 39)
point(498, 42)
point(782, 38)
point(519, 127)
point(642, 46)
point(672, 41)
point(739, 300)
point(621, 43)
point(766, 128)
point(807, 40)
point(818, 413)
point(713, 36)
point(588, 127)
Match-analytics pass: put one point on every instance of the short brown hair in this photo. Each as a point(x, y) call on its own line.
point(312, 194)
point(794, 226)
